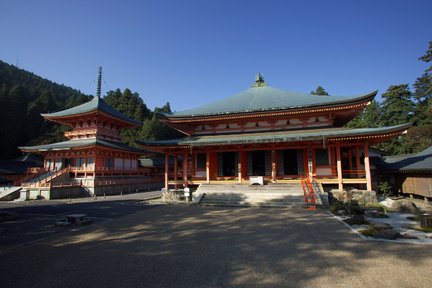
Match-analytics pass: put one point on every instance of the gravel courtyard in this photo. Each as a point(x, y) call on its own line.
point(182, 246)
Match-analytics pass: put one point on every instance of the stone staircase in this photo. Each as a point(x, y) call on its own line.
point(271, 195)
point(9, 193)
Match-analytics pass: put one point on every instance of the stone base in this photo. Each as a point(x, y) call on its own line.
point(362, 197)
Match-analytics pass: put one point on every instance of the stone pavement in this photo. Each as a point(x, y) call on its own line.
point(183, 246)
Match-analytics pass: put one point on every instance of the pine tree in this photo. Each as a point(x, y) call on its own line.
point(320, 91)
point(397, 108)
point(370, 117)
point(420, 136)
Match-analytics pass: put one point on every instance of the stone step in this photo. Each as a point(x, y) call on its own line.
point(271, 195)
point(254, 204)
point(267, 192)
point(257, 197)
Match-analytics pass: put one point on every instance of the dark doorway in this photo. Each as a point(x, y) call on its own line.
point(227, 164)
point(258, 163)
point(290, 162)
point(67, 162)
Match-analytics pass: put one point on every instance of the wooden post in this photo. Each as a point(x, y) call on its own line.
point(357, 152)
point(310, 161)
point(367, 167)
point(350, 162)
point(166, 171)
point(175, 170)
point(239, 167)
point(339, 167)
point(185, 169)
point(85, 165)
point(208, 166)
point(273, 166)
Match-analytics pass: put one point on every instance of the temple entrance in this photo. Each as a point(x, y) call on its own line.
point(291, 162)
point(258, 163)
point(67, 162)
point(227, 163)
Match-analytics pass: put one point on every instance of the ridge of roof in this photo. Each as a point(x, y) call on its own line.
point(94, 104)
point(266, 98)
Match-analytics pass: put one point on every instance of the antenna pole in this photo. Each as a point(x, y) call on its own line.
point(99, 84)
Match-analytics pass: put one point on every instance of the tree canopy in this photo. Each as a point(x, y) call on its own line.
point(320, 91)
point(23, 96)
point(402, 105)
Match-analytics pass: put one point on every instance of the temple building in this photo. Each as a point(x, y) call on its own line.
point(274, 134)
point(93, 160)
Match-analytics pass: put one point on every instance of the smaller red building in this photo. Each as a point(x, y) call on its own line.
point(93, 157)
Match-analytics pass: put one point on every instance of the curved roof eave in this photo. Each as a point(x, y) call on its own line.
point(332, 134)
point(282, 101)
point(91, 106)
point(79, 144)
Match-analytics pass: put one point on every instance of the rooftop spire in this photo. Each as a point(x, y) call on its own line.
point(99, 84)
point(259, 81)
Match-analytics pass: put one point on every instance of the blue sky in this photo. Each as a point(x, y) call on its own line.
point(193, 52)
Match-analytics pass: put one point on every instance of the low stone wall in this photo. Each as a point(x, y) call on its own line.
point(68, 192)
point(55, 193)
point(126, 188)
point(362, 197)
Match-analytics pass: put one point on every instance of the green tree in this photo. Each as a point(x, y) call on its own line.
point(128, 103)
point(154, 129)
point(397, 108)
point(368, 118)
point(420, 136)
point(397, 105)
point(133, 106)
point(164, 109)
point(320, 91)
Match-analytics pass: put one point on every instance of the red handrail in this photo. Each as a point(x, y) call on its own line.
point(309, 193)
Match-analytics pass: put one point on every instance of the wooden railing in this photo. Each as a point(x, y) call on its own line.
point(309, 193)
point(45, 181)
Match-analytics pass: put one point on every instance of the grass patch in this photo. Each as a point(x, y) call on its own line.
point(370, 232)
point(426, 230)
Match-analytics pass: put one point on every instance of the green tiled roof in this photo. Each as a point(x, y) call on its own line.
point(82, 143)
point(266, 98)
point(93, 105)
point(421, 161)
point(273, 137)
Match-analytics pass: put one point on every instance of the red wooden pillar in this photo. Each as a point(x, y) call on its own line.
point(166, 171)
point(367, 167)
point(273, 166)
point(85, 165)
point(309, 156)
point(208, 166)
point(239, 167)
point(339, 167)
point(185, 169)
point(175, 170)
point(357, 152)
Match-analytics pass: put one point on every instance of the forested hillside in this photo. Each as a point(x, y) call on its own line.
point(23, 96)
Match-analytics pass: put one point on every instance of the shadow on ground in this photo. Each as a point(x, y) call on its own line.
point(181, 246)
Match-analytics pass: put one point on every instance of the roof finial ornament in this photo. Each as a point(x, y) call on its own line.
point(259, 81)
point(99, 83)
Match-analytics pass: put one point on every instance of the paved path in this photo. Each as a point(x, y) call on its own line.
point(35, 219)
point(182, 246)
